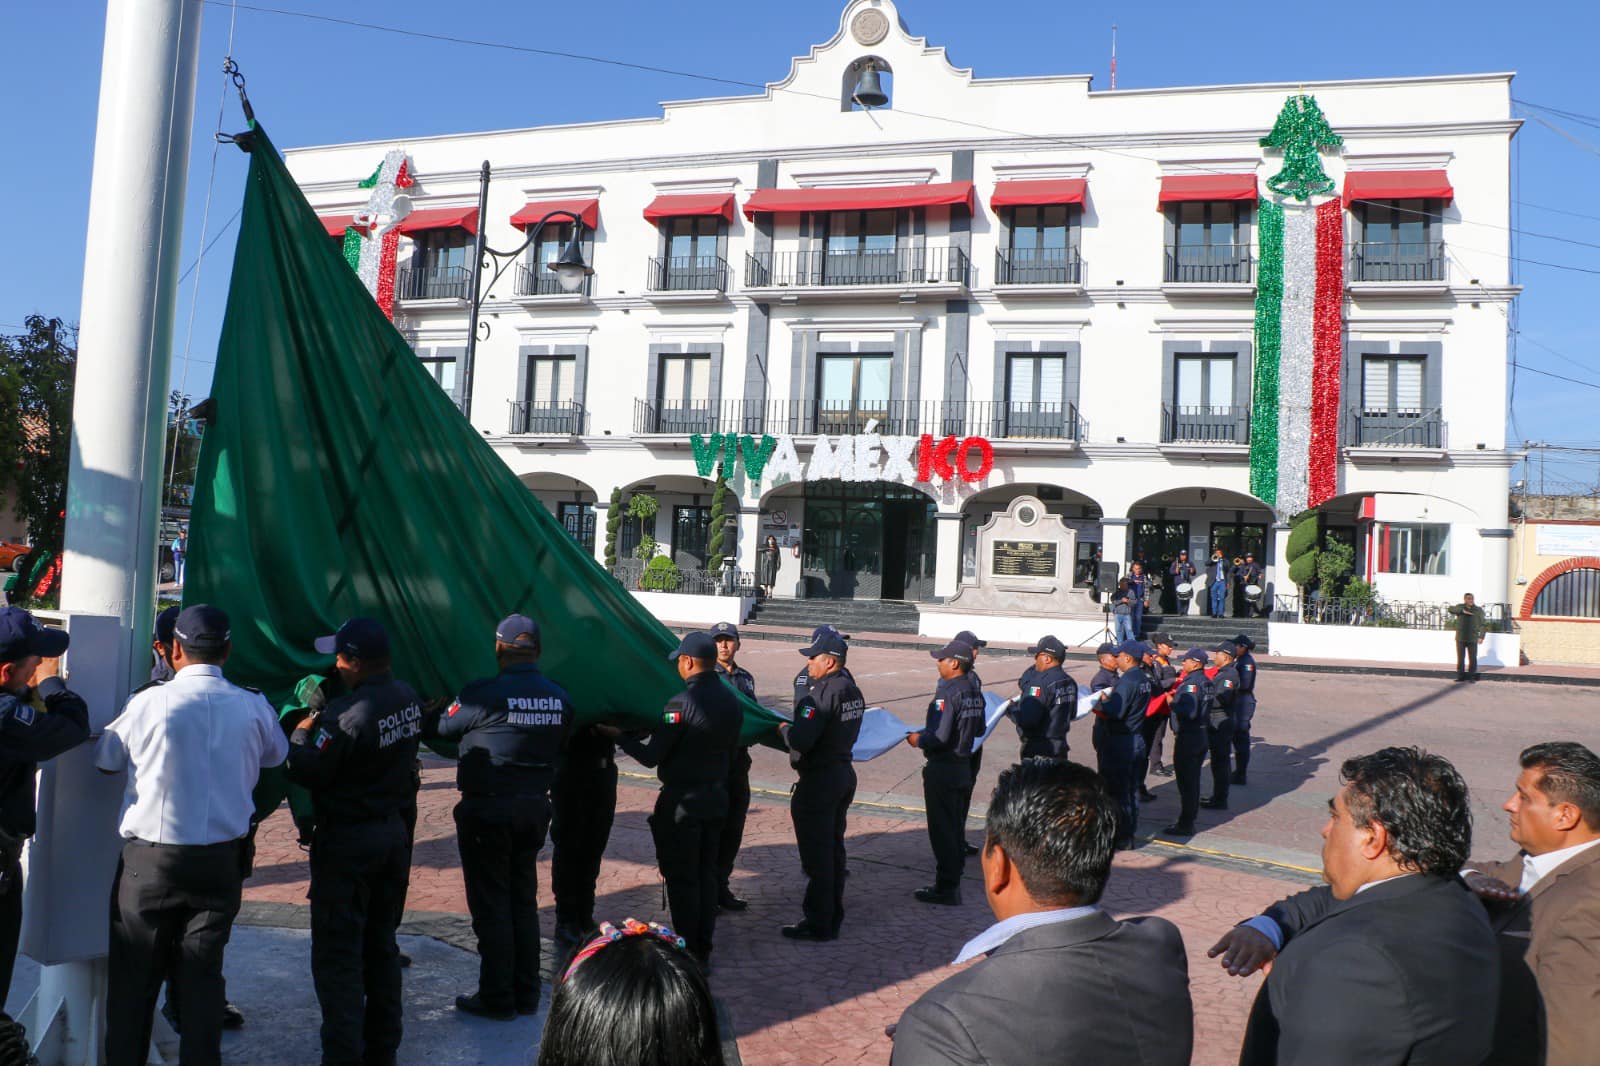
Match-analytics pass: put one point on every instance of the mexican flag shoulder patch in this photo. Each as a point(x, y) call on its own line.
point(673, 717)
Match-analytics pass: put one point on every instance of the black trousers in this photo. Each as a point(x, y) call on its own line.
point(1244, 712)
point(1466, 658)
point(359, 875)
point(946, 788)
point(500, 838)
point(732, 835)
point(687, 826)
point(1188, 760)
point(976, 762)
point(10, 919)
point(1219, 739)
point(1118, 758)
point(819, 808)
point(1154, 732)
point(172, 909)
point(584, 803)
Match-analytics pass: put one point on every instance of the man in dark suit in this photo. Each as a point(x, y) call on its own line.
point(1544, 905)
point(1391, 962)
point(1059, 973)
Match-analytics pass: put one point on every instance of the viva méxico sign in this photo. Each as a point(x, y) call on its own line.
point(858, 457)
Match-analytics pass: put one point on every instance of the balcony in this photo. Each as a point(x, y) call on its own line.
point(1048, 270)
point(1389, 430)
point(902, 272)
point(1047, 422)
point(548, 419)
point(539, 286)
point(419, 283)
point(687, 279)
point(1204, 425)
point(1209, 268)
point(1399, 268)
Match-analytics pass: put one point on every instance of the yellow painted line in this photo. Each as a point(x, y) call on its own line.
point(1212, 852)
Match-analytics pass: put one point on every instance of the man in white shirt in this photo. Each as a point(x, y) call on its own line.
point(193, 748)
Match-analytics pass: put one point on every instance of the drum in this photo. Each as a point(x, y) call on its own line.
point(1253, 591)
point(1184, 589)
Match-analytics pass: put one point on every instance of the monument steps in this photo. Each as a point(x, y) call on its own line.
point(849, 616)
point(1201, 631)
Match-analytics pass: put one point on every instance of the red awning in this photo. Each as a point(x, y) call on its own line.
point(588, 210)
point(697, 205)
point(1397, 185)
point(1040, 193)
point(440, 218)
point(1179, 189)
point(337, 224)
point(799, 201)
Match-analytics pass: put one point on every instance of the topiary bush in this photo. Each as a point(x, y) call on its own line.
point(613, 527)
point(1301, 550)
point(661, 574)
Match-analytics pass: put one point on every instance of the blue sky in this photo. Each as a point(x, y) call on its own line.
point(315, 82)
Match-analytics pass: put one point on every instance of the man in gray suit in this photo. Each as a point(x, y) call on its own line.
point(1063, 981)
point(1391, 962)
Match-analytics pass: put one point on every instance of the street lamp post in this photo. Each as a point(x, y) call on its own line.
point(569, 269)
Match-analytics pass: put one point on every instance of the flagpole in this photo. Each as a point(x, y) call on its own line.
point(109, 572)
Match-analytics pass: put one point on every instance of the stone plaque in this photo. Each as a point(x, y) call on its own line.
point(869, 27)
point(1024, 558)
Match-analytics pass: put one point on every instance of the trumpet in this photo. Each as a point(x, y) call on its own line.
point(1238, 560)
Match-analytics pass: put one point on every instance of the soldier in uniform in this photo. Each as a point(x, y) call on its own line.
point(357, 756)
point(1049, 698)
point(1118, 743)
point(1219, 733)
point(691, 750)
point(511, 729)
point(726, 636)
point(1191, 710)
point(1244, 706)
point(955, 720)
point(821, 739)
point(970, 639)
point(803, 680)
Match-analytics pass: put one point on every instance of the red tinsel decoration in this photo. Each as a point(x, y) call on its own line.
point(403, 180)
point(386, 261)
point(1327, 329)
point(985, 459)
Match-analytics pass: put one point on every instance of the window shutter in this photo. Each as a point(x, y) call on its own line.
point(1020, 385)
point(1375, 385)
point(1408, 385)
point(1052, 369)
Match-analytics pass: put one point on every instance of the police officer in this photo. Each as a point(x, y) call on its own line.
point(803, 680)
point(39, 719)
point(1247, 573)
point(1244, 706)
point(1106, 676)
point(510, 729)
point(583, 800)
point(955, 720)
point(1219, 734)
point(357, 756)
point(1191, 711)
point(691, 751)
point(726, 635)
point(821, 739)
point(970, 639)
point(161, 645)
point(1048, 699)
point(1118, 743)
point(1164, 674)
point(193, 749)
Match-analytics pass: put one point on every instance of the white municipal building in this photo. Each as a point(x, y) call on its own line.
point(1061, 280)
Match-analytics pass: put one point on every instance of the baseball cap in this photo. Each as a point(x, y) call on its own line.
point(696, 645)
point(202, 627)
point(725, 631)
point(517, 629)
point(1050, 646)
point(959, 650)
point(1131, 647)
point(1198, 655)
point(820, 630)
point(359, 638)
point(21, 635)
point(164, 623)
point(1244, 638)
point(826, 643)
point(1227, 646)
point(1106, 649)
point(1158, 639)
point(969, 638)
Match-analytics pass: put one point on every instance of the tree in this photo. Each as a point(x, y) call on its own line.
point(644, 507)
point(613, 527)
point(719, 523)
point(36, 377)
point(1301, 550)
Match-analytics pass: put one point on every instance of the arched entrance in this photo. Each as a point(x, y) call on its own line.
point(570, 500)
point(1199, 520)
point(1079, 511)
point(866, 540)
point(682, 524)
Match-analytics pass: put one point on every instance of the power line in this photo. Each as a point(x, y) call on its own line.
point(1558, 210)
point(222, 232)
point(1558, 377)
point(1587, 120)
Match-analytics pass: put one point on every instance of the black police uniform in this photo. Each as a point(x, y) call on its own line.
point(511, 730)
point(1044, 711)
point(1118, 745)
point(691, 750)
point(821, 742)
point(955, 720)
point(584, 802)
point(1247, 574)
point(28, 737)
point(1244, 712)
point(1163, 675)
point(1103, 678)
point(1191, 710)
point(358, 760)
point(738, 787)
point(1219, 733)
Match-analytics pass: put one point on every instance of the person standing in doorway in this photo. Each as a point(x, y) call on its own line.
point(1471, 627)
point(767, 566)
point(1218, 580)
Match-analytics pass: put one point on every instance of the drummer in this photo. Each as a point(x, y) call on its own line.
point(1248, 576)
point(1182, 572)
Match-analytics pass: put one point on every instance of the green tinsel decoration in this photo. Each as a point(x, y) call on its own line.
point(1269, 341)
point(1301, 131)
point(352, 247)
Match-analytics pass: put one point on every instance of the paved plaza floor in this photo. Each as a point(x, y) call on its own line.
point(787, 1002)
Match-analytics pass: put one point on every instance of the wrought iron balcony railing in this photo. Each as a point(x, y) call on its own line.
point(1204, 424)
point(1038, 266)
point(1395, 429)
point(917, 265)
point(1209, 264)
point(688, 274)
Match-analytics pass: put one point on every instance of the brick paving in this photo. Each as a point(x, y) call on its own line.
point(808, 1003)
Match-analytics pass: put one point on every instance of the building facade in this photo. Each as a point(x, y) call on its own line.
point(887, 322)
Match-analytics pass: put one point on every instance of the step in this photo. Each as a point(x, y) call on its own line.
point(879, 616)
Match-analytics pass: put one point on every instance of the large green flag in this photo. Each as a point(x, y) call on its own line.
point(337, 479)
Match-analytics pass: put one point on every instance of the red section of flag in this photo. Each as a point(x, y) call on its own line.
point(389, 252)
point(1327, 330)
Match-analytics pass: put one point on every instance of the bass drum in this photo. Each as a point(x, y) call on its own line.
point(1185, 589)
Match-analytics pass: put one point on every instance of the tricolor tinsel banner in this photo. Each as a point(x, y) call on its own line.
point(1295, 416)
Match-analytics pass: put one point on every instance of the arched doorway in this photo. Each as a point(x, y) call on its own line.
point(858, 540)
point(681, 527)
point(1199, 520)
point(570, 500)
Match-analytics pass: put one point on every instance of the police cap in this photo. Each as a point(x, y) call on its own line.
point(1197, 654)
point(823, 629)
point(21, 636)
point(1244, 638)
point(695, 645)
point(969, 638)
point(165, 621)
point(517, 629)
point(1131, 647)
point(959, 650)
point(1227, 648)
point(828, 643)
point(1050, 646)
point(202, 627)
point(358, 638)
point(1106, 649)
point(725, 631)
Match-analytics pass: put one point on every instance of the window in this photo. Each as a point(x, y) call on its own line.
point(851, 390)
point(1040, 248)
point(1413, 548)
point(537, 279)
point(547, 405)
point(443, 369)
point(1209, 244)
point(1391, 386)
point(683, 393)
point(691, 536)
point(1238, 539)
point(1574, 594)
point(1034, 390)
point(1204, 382)
point(578, 520)
point(1399, 242)
point(439, 266)
point(859, 248)
point(694, 258)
